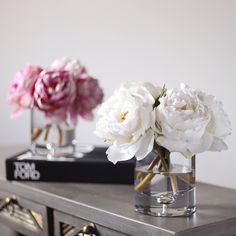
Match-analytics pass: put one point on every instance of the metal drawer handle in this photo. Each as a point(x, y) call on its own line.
point(7, 201)
point(89, 230)
point(12, 206)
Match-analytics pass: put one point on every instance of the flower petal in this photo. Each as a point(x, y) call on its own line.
point(147, 142)
point(218, 145)
point(171, 144)
point(114, 155)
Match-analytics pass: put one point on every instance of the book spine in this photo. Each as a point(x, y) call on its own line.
point(22, 170)
point(47, 171)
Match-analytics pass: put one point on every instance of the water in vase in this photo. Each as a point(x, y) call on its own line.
point(165, 193)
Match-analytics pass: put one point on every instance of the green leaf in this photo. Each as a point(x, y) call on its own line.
point(162, 94)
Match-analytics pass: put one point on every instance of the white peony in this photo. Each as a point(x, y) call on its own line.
point(190, 121)
point(125, 120)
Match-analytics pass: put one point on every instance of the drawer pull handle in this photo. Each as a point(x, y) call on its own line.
point(14, 209)
point(7, 201)
point(89, 229)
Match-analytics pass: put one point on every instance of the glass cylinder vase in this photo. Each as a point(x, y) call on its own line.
point(165, 184)
point(49, 138)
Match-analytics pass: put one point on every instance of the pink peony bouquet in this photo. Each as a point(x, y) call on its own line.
point(63, 91)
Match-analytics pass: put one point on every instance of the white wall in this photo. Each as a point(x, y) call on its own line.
point(161, 41)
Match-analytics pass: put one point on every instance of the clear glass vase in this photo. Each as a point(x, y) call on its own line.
point(165, 184)
point(51, 139)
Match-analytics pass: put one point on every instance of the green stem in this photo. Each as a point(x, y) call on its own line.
point(173, 179)
point(147, 179)
point(160, 160)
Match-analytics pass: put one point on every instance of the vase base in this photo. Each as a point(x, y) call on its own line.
point(165, 211)
point(50, 151)
point(166, 204)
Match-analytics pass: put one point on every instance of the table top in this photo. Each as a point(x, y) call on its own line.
point(113, 205)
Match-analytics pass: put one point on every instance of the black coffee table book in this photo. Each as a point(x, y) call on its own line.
point(94, 167)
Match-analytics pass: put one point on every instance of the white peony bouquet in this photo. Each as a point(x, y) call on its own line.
point(141, 118)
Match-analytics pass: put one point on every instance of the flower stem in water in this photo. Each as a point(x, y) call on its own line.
point(152, 165)
point(147, 179)
point(188, 179)
point(36, 133)
point(59, 141)
point(159, 161)
point(47, 129)
point(172, 178)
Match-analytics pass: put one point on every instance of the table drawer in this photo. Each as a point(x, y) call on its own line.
point(68, 225)
point(22, 215)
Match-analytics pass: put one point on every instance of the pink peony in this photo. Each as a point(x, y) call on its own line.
point(63, 91)
point(22, 89)
point(89, 95)
point(54, 92)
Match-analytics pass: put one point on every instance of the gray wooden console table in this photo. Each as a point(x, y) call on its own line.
point(64, 208)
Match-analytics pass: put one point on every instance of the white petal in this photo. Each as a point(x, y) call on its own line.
point(114, 155)
point(171, 144)
point(146, 146)
point(200, 145)
point(218, 145)
point(130, 147)
point(222, 122)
